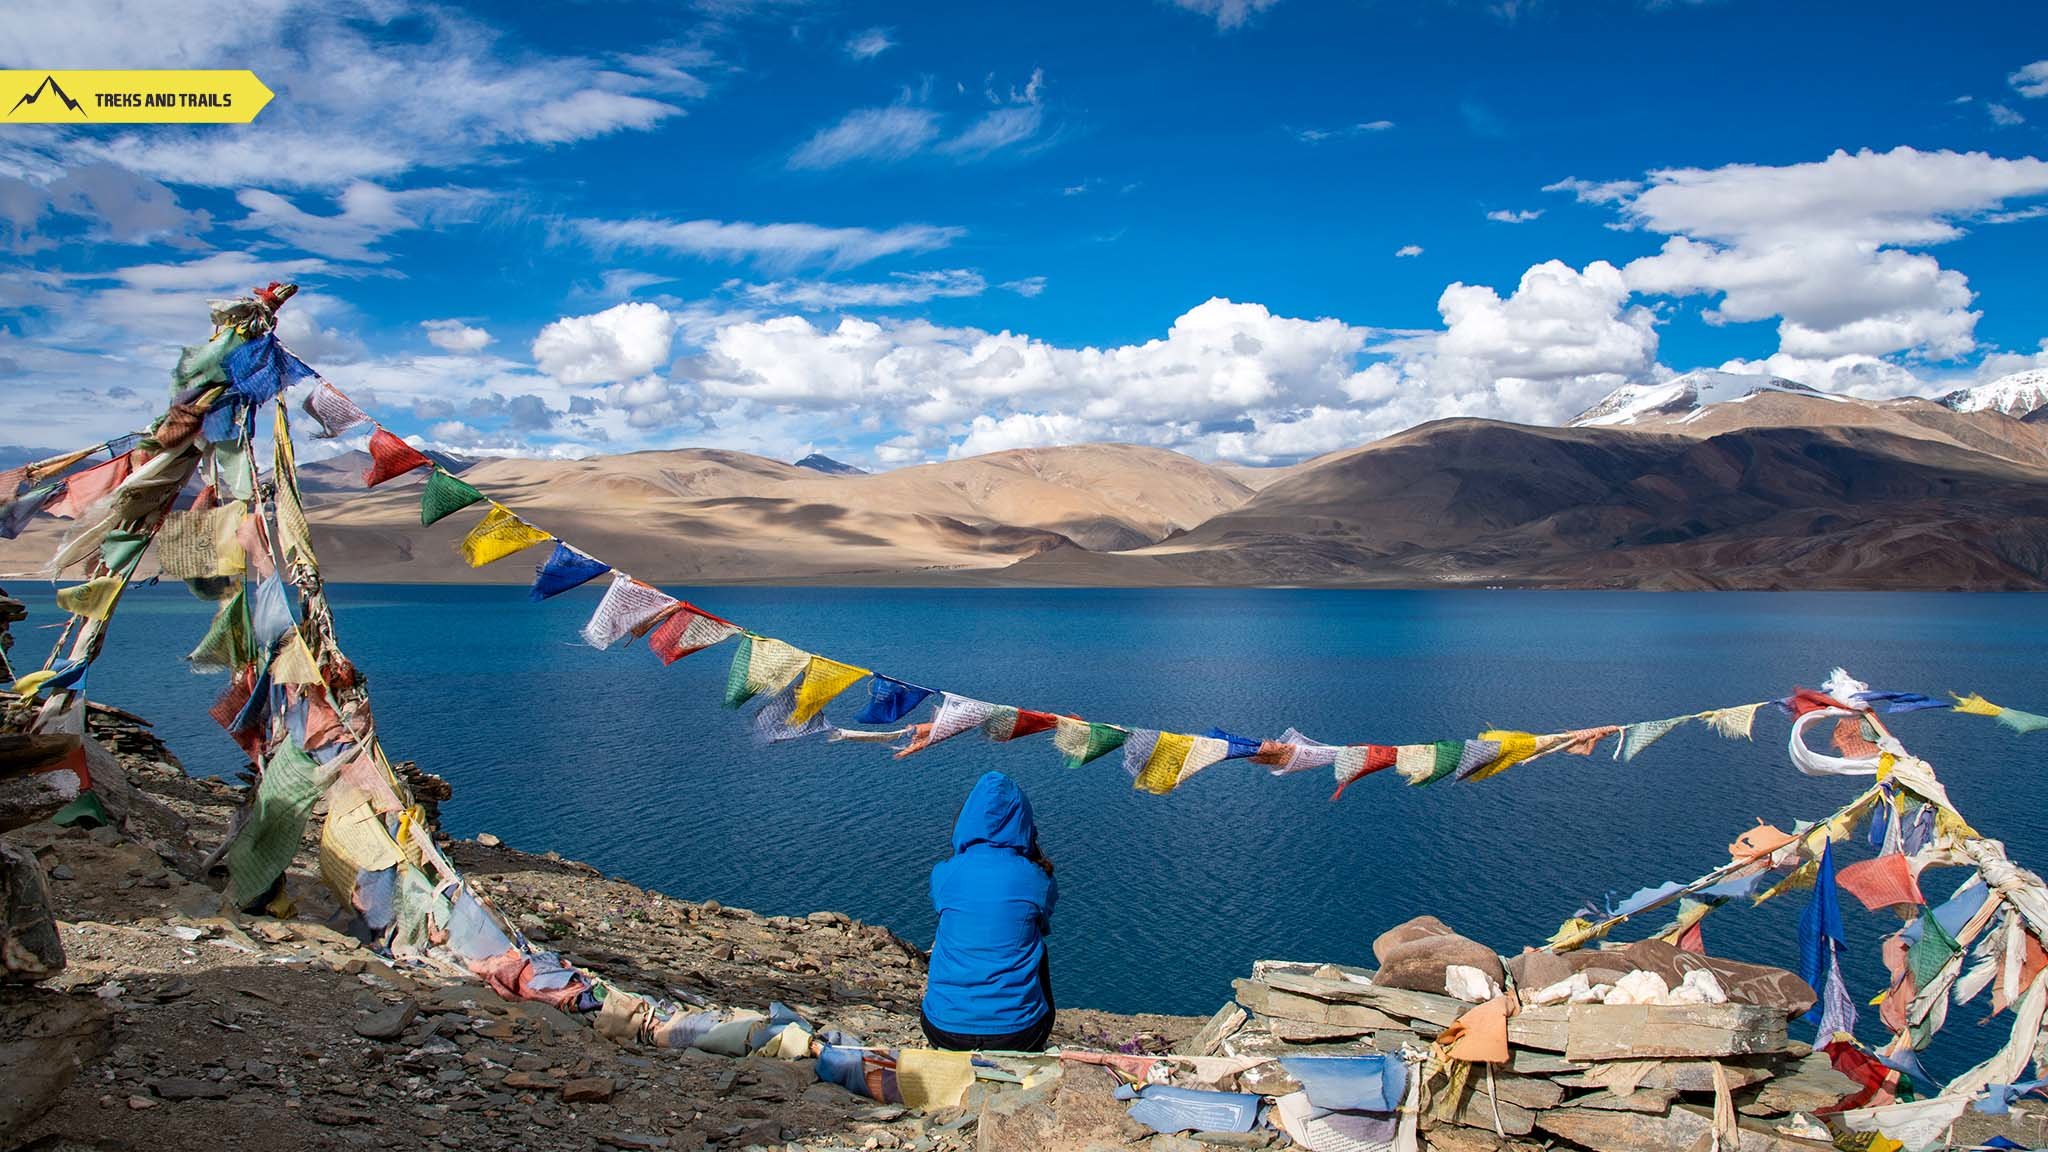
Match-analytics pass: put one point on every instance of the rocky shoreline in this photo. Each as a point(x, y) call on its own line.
point(196, 1030)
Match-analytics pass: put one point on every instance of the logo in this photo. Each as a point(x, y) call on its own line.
point(155, 96)
point(50, 86)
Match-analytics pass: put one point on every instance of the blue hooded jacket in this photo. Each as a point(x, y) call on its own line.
point(995, 909)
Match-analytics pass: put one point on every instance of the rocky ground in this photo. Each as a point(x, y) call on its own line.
point(251, 1032)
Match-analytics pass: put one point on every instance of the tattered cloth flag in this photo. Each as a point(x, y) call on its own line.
point(823, 679)
point(778, 719)
point(1214, 747)
point(762, 665)
point(1080, 741)
point(199, 543)
point(271, 614)
point(498, 535)
point(955, 714)
point(890, 700)
point(201, 363)
point(226, 645)
point(94, 599)
point(626, 605)
point(1154, 759)
point(64, 674)
point(864, 736)
point(1636, 737)
point(334, 410)
point(1294, 752)
point(268, 839)
point(1515, 747)
point(1734, 723)
point(1415, 763)
point(1474, 755)
point(15, 514)
point(294, 663)
point(1820, 940)
point(83, 490)
point(565, 568)
point(2013, 718)
point(179, 426)
point(1882, 881)
point(121, 548)
point(686, 630)
point(260, 369)
point(1361, 760)
point(1007, 723)
point(444, 494)
point(391, 457)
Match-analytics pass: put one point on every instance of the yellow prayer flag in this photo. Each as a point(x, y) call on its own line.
point(823, 679)
point(93, 599)
point(32, 683)
point(353, 841)
point(1515, 747)
point(930, 1079)
point(294, 663)
point(1162, 767)
point(1976, 705)
point(773, 666)
point(498, 535)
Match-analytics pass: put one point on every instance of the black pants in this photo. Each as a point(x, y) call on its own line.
point(1031, 1039)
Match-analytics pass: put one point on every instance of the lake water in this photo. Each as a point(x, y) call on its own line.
point(609, 757)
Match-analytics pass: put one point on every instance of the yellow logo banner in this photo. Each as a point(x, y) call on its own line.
point(156, 96)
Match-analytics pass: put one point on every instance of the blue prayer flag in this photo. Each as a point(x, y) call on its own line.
point(1240, 746)
point(1820, 928)
point(15, 515)
point(259, 370)
point(565, 568)
point(890, 700)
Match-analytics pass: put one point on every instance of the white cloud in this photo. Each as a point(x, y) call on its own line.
point(1027, 287)
point(1514, 216)
point(591, 113)
point(1821, 245)
point(2032, 80)
point(890, 133)
point(868, 44)
point(996, 130)
point(2003, 116)
point(1852, 374)
point(455, 336)
point(1592, 192)
point(615, 345)
point(1318, 135)
point(1406, 250)
point(117, 204)
point(367, 214)
point(1228, 14)
point(903, 288)
point(773, 245)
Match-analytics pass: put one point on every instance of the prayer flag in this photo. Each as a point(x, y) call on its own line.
point(1475, 754)
point(391, 457)
point(1361, 760)
point(565, 568)
point(259, 370)
point(1080, 741)
point(1203, 751)
point(498, 535)
point(1636, 737)
point(1931, 952)
point(777, 721)
point(64, 674)
point(226, 644)
point(335, 411)
point(1160, 770)
point(295, 536)
point(1820, 929)
point(180, 426)
point(199, 543)
point(1294, 752)
point(268, 839)
point(691, 629)
point(1007, 723)
point(762, 665)
point(294, 663)
point(1975, 705)
point(200, 364)
point(121, 548)
point(626, 604)
point(957, 714)
point(890, 700)
point(93, 599)
point(16, 513)
point(823, 680)
point(444, 494)
point(1447, 755)
point(1515, 747)
point(223, 426)
point(1882, 881)
point(1734, 723)
point(11, 481)
point(272, 614)
point(84, 489)
point(1415, 762)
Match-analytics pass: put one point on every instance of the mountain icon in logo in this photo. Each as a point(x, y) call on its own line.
point(49, 84)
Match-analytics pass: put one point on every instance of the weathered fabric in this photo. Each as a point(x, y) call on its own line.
point(822, 680)
point(1294, 752)
point(258, 370)
point(498, 535)
point(443, 494)
point(362, 771)
point(1820, 928)
point(1361, 760)
point(180, 425)
point(226, 645)
point(1734, 723)
point(864, 736)
point(565, 568)
point(232, 698)
point(1812, 763)
point(1080, 741)
point(1917, 1125)
point(294, 535)
point(272, 613)
point(778, 720)
point(1203, 751)
point(1416, 763)
point(1636, 737)
point(334, 410)
point(1881, 882)
point(294, 663)
point(93, 599)
point(269, 838)
point(1932, 951)
point(1515, 747)
point(890, 700)
point(201, 363)
point(16, 513)
point(957, 714)
point(353, 840)
point(84, 489)
point(391, 457)
point(1475, 755)
point(1160, 770)
point(690, 629)
point(230, 462)
point(626, 604)
point(200, 543)
point(1375, 1083)
point(1007, 723)
point(2022, 722)
point(1449, 753)
point(762, 665)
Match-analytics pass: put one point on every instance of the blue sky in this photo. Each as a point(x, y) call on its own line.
point(1245, 229)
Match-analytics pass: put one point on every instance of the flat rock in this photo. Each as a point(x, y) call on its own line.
point(390, 1023)
point(186, 1088)
point(1683, 1127)
point(45, 1038)
point(587, 1090)
point(1810, 1085)
point(637, 1141)
point(1653, 1100)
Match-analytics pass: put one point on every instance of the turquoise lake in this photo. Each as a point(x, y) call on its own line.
point(610, 758)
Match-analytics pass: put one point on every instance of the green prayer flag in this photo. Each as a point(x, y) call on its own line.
point(445, 494)
point(201, 363)
point(269, 838)
point(2022, 722)
point(121, 548)
point(1933, 949)
point(1102, 740)
point(736, 692)
point(226, 645)
point(1448, 754)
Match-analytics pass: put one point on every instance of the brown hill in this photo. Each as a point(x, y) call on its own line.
point(1990, 432)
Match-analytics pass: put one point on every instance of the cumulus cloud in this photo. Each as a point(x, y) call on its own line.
point(455, 336)
point(620, 343)
point(1407, 250)
point(1228, 14)
point(780, 246)
point(2003, 116)
point(2032, 80)
point(1596, 192)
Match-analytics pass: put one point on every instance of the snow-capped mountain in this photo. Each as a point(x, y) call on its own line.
point(2016, 394)
point(1634, 403)
point(819, 463)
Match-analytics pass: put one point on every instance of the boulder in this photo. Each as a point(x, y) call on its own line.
point(45, 1039)
point(1418, 965)
point(1384, 944)
point(30, 948)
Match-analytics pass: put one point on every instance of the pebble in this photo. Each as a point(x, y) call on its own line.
point(588, 1090)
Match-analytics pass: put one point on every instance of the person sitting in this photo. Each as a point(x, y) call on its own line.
point(989, 987)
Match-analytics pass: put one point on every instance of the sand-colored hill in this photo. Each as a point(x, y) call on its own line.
point(1988, 431)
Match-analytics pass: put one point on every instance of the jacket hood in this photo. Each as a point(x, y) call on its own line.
point(996, 813)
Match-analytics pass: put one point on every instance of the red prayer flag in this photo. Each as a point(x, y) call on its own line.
point(1881, 882)
point(676, 637)
point(82, 490)
point(391, 457)
point(1806, 700)
point(1029, 722)
point(1693, 940)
